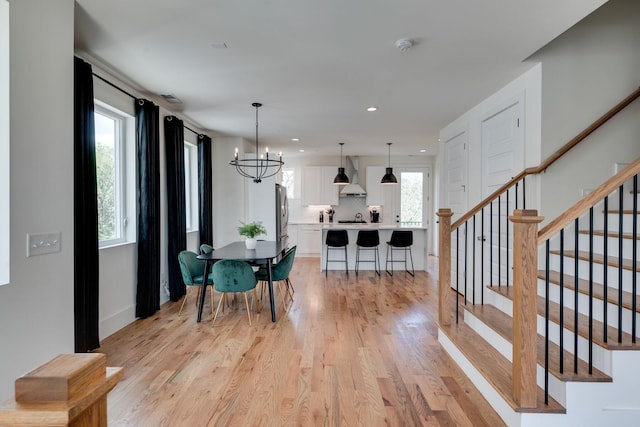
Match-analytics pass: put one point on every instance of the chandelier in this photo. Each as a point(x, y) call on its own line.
point(260, 166)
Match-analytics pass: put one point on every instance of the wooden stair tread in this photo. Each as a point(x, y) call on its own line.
point(612, 261)
point(583, 323)
point(503, 325)
point(598, 289)
point(610, 234)
point(494, 367)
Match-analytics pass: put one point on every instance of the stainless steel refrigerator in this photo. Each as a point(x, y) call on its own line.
point(282, 216)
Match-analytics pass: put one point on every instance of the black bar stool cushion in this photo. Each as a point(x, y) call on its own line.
point(401, 238)
point(368, 238)
point(337, 238)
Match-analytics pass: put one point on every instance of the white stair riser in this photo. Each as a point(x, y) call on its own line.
point(598, 272)
point(598, 306)
point(612, 248)
point(557, 388)
point(627, 222)
point(601, 356)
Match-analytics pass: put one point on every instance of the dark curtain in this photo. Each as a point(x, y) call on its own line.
point(205, 201)
point(176, 207)
point(85, 211)
point(148, 207)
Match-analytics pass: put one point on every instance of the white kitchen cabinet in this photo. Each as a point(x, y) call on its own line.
point(318, 187)
point(309, 240)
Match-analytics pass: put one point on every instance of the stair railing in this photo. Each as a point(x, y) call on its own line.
point(554, 233)
point(496, 208)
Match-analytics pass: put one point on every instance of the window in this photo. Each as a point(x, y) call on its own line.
point(191, 185)
point(412, 198)
point(288, 181)
point(116, 204)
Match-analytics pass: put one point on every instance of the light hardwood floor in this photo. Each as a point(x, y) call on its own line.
point(350, 351)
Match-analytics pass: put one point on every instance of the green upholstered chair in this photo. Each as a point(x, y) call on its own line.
point(206, 249)
point(279, 273)
point(192, 270)
point(233, 276)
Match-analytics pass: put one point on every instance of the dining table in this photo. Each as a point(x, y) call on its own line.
point(264, 254)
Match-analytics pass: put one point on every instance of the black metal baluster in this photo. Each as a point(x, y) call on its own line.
point(466, 257)
point(516, 195)
point(634, 257)
point(524, 194)
point(591, 290)
point(457, 270)
point(491, 244)
point(605, 273)
point(506, 219)
point(575, 300)
point(482, 257)
point(561, 361)
point(620, 226)
point(473, 269)
point(546, 325)
point(499, 248)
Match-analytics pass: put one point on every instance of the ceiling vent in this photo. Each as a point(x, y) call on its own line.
point(171, 99)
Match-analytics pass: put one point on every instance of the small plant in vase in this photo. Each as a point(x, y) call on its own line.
point(251, 231)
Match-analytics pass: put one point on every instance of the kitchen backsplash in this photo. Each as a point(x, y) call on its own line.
point(346, 210)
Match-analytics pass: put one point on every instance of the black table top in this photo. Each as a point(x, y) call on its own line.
point(237, 250)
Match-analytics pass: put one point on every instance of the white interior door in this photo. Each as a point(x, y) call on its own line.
point(456, 199)
point(502, 158)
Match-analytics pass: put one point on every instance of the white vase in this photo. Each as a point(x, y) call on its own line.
point(250, 243)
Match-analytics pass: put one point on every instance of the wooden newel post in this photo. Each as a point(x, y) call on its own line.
point(444, 267)
point(525, 278)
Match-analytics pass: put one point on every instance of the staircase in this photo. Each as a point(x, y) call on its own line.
point(586, 372)
point(584, 298)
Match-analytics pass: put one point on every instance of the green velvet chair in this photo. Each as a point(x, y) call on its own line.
point(206, 249)
point(233, 276)
point(279, 273)
point(192, 270)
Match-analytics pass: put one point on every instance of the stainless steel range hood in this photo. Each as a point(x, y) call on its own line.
point(353, 189)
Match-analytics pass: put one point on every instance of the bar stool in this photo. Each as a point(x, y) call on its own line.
point(400, 240)
point(368, 240)
point(337, 239)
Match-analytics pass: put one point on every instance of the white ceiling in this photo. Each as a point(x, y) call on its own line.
point(317, 64)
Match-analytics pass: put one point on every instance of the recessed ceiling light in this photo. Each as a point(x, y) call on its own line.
point(423, 151)
point(295, 139)
point(301, 150)
point(219, 45)
point(372, 109)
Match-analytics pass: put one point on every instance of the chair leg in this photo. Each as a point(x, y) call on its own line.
point(289, 288)
point(376, 262)
point(289, 283)
point(218, 309)
point(246, 303)
point(412, 272)
point(184, 300)
point(346, 261)
point(211, 296)
point(326, 262)
point(386, 264)
point(357, 258)
point(255, 296)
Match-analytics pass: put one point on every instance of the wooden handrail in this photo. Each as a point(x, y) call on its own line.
point(550, 160)
point(588, 201)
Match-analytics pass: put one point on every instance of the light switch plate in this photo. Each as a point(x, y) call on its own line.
point(43, 243)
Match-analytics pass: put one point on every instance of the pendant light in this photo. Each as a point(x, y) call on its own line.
point(260, 166)
point(341, 178)
point(389, 177)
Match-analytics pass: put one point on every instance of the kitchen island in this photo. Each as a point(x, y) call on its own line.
point(418, 250)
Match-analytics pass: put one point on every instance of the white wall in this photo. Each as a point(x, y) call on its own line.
point(36, 307)
point(586, 71)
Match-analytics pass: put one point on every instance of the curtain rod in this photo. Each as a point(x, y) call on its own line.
point(115, 86)
point(134, 97)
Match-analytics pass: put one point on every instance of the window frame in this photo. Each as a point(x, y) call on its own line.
point(426, 175)
point(191, 186)
point(125, 176)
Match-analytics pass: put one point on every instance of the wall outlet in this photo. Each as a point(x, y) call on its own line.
point(43, 243)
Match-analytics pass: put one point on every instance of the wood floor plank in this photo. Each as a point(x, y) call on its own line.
point(357, 351)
